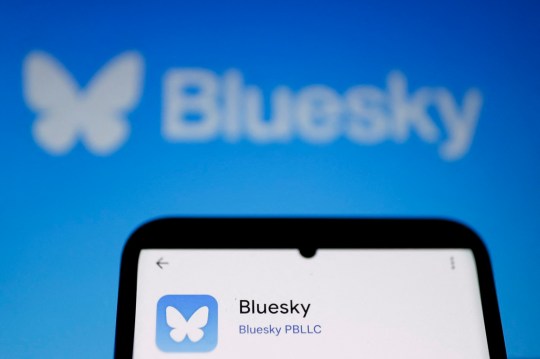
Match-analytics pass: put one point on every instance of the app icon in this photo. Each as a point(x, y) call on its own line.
point(186, 323)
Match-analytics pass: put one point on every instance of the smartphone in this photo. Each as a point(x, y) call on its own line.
point(306, 288)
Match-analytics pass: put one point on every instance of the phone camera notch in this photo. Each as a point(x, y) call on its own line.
point(308, 252)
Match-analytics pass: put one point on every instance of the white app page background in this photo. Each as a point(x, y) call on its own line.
point(368, 303)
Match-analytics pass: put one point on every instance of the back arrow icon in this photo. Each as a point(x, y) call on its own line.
point(160, 263)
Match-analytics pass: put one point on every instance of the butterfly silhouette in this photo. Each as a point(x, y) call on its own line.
point(94, 115)
point(182, 327)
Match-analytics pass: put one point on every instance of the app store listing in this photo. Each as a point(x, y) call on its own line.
point(351, 303)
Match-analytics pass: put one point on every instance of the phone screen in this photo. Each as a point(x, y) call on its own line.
point(353, 303)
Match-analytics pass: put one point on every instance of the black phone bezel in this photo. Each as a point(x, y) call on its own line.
point(169, 233)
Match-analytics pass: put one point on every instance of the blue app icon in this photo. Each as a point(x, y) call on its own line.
point(187, 323)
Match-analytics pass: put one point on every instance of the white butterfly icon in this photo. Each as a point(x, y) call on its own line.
point(182, 327)
point(95, 114)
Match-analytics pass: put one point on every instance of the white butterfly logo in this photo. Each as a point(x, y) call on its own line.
point(95, 114)
point(182, 327)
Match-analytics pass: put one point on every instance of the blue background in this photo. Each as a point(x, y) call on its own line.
point(65, 219)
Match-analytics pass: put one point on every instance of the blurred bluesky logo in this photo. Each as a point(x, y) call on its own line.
point(94, 115)
point(200, 106)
